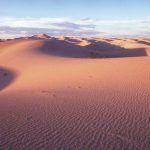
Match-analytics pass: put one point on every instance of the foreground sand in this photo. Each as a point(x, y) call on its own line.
point(56, 96)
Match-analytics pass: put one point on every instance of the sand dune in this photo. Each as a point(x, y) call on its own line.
point(143, 42)
point(92, 49)
point(54, 95)
point(40, 36)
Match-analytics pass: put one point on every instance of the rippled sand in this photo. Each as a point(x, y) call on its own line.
point(55, 94)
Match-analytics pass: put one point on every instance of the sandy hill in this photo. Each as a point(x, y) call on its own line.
point(40, 36)
point(74, 93)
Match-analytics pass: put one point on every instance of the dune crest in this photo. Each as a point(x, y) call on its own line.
point(40, 36)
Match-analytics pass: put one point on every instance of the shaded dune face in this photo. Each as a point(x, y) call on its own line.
point(64, 49)
point(72, 40)
point(96, 49)
point(6, 78)
point(110, 50)
point(144, 42)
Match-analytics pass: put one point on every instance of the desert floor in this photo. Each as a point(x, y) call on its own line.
point(75, 94)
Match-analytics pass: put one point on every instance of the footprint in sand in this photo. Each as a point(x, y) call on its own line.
point(48, 92)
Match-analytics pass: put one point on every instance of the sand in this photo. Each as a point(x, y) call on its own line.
point(75, 93)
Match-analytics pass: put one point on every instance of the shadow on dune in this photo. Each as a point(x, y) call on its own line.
point(76, 41)
point(6, 78)
point(143, 42)
point(64, 49)
point(108, 50)
point(94, 50)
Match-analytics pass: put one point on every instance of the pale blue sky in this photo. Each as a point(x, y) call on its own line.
point(105, 17)
point(100, 9)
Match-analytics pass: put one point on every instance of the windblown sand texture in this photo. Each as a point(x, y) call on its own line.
point(74, 93)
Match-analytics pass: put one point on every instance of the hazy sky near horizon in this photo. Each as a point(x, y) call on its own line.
point(74, 17)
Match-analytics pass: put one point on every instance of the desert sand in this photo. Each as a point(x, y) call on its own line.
point(72, 93)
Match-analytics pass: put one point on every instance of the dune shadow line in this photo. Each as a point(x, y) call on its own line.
point(6, 78)
point(144, 42)
point(96, 49)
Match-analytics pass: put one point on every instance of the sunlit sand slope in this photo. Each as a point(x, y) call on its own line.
point(71, 94)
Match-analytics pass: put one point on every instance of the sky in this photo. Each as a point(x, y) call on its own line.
point(112, 18)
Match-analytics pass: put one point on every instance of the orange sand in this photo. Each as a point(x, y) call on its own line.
point(75, 94)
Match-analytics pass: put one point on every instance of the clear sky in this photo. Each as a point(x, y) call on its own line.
point(100, 16)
